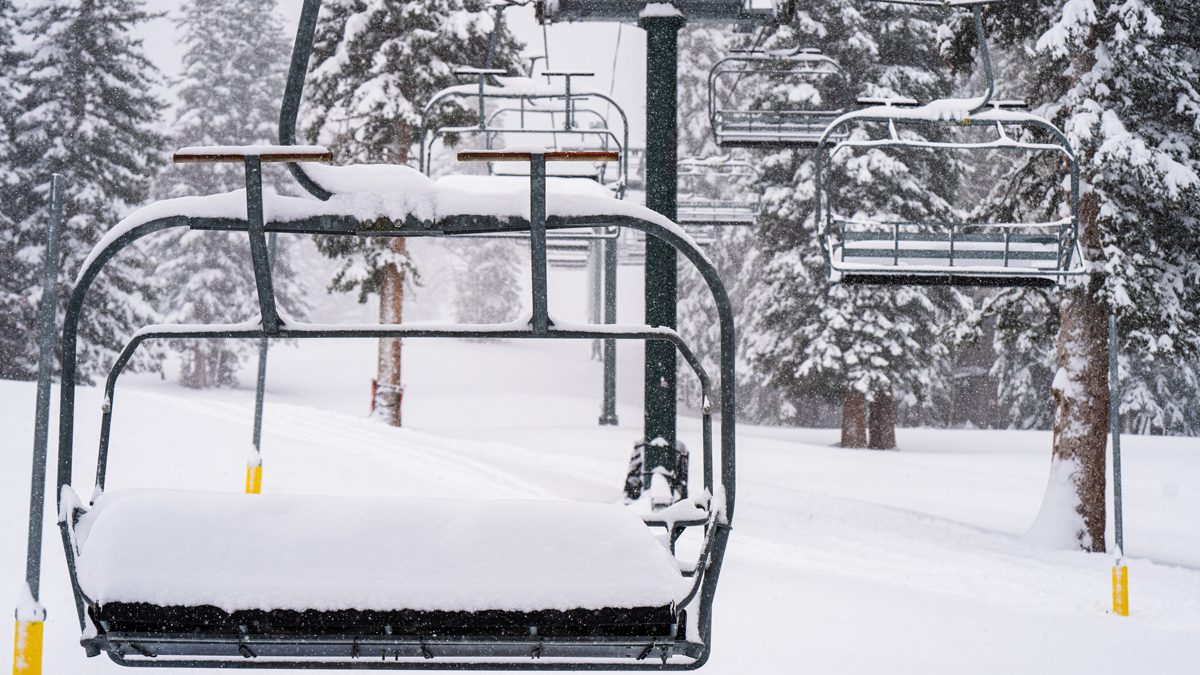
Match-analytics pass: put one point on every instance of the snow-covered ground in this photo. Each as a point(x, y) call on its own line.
point(841, 561)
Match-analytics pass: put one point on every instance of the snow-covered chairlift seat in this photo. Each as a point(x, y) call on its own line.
point(649, 612)
point(251, 568)
point(397, 201)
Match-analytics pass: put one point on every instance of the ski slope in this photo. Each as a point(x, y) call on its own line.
point(841, 561)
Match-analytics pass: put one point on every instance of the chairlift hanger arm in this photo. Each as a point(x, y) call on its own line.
point(976, 7)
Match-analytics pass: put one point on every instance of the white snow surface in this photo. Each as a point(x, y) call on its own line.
point(371, 553)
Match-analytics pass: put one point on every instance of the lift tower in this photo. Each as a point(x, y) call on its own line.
point(662, 21)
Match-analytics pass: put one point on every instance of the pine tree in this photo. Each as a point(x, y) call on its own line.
point(1121, 79)
point(87, 112)
point(866, 347)
point(16, 311)
point(233, 74)
point(374, 66)
point(485, 292)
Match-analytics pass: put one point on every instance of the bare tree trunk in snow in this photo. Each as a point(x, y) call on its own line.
point(198, 378)
point(389, 392)
point(882, 424)
point(1081, 399)
point(854, 419)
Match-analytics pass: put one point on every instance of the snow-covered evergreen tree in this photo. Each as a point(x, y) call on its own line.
point(1121, 79)
point(16, 310)
point(864, 346)
point(484, 282)
point(374, 66)
point(229, 92)
point(86, 111)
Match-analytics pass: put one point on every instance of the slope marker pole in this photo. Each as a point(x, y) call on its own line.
point(30, 614)
point(1120, 573)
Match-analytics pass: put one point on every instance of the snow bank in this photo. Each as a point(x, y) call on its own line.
point(1059, 523)
point(239, 551)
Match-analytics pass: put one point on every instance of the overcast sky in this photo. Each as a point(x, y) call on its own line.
point(582, 46)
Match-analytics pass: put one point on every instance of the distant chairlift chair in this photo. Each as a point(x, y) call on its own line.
point(881, 250)
point(815, 81)
point(519, 112)
point(197, 579)
point(700, 211)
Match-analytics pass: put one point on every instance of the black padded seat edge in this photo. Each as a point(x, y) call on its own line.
point(207, 619)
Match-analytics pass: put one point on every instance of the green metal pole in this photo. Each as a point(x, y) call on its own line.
point(608, 413)
point(260, 383)
point(1114, 425)
point(662, 53)
point(30, 615)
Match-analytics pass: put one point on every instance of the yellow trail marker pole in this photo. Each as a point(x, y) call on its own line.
point(1120, 573)
point(254, 477)
point(27, 638)
point(1120, 580)
point(27, 648)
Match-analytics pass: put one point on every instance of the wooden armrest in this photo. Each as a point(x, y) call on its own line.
point(550, 155)
point(264, 153)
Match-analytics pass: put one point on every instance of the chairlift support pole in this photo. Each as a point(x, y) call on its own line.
point(608, 414)
point(662, 57)
point(30, 615)
point(662, 62)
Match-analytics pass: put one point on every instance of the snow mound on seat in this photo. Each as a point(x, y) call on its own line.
point(233, 551)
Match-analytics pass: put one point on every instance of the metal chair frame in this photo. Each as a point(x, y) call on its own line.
point(527, 107)
point(954, 242)
point(599, 647)
point(696, 210)
point(192, 649)
point(751, 128)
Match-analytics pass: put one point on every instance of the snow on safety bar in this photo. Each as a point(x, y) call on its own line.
point(264, 153)
point(550, 155)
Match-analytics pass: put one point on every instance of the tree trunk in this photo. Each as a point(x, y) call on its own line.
point(854, 419)
point(389, 392)
point(883, 421)
point(198, 378)
point(1081, 399)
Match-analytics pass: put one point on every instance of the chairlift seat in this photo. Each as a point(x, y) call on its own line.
point(772, 128)
point(1001, 257)
point(698, 211)
point(179, 572)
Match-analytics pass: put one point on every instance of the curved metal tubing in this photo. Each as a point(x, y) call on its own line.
point(450, 225)
point(840, 126)
point(294, 90)
point(310, 331)
point(428, 136)
point(985, 56)
point(813, 67)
